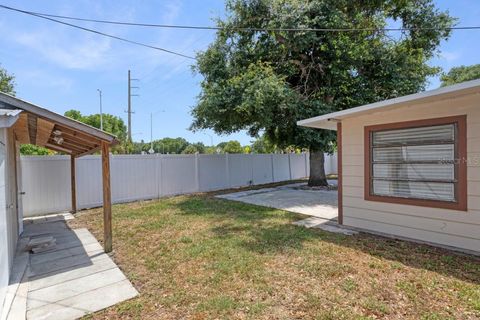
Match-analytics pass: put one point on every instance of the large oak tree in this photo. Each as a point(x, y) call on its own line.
point(259, 78)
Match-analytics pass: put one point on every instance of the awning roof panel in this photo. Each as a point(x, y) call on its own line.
point(39, 126)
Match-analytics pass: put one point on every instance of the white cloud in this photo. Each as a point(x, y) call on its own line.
point(75, 49)
point(172, 10)
point(450, 55)
point(84, 52)
point(44, 79)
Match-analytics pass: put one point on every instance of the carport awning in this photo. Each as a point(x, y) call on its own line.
point(42, 127)
point(48, 129)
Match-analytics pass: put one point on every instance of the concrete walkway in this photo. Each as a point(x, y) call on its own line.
point(317, 203)
point(320, 205)
point(74, 279)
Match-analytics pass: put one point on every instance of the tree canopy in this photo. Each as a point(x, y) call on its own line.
point(233, 146)
point(33, 150)
point(190, 149)
point(460, 74)
point(263, 145)
point(7, 85)
point(165, 145)
point(111, 124)
point(7, 82)
point(256, 78)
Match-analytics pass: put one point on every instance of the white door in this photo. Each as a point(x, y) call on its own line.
point(4, 268)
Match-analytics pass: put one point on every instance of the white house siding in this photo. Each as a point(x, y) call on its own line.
point(446, 227)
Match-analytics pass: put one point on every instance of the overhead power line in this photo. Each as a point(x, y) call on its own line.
point(97, 32)
point(154, 25)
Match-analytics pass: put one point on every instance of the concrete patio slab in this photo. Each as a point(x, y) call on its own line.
point(78, 306)
point(317, 203)
point(320, 205)
point(72, 280)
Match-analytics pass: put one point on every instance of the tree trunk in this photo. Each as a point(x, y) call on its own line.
point(317, 169)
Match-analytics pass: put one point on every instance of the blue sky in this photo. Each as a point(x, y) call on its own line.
point(61, 68)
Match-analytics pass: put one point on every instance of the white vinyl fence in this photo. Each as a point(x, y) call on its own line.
point(46, 179)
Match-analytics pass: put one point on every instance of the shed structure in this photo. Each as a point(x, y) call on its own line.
point(409, 167)
point(22, 122)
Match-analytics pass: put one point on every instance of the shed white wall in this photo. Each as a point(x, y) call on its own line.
point(8, 216)
point(4, 267)
point(46, 180)
point(447, 227)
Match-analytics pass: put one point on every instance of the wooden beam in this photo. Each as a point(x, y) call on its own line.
point(107, 198)
point(88, 152)
point(73, 146)
point(20, 129)
point(57, 148)
point(32, 128)
point(73, 183)
point(79, 143)
point(67, 132)
point(61, 147)
point(44, 131)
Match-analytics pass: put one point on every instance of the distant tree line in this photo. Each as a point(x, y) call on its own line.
point(182, 146)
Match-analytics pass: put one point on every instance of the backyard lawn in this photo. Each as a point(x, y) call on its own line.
point(199, 257)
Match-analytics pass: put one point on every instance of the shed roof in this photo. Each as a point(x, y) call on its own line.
point(40, 126)
point(328, 121)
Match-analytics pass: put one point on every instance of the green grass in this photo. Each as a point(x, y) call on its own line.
point(199, 257)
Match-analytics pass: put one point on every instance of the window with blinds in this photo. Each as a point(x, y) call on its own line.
point(415, 163)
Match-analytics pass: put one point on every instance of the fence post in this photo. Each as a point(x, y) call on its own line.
point(273, 170)
point(227, 168)
point(197, 174)
point(158, 175)
point(306, 166)
point(160, 181)
point(289, 167)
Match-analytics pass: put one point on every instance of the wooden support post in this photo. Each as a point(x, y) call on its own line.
point(107, 199)
point(73, 181)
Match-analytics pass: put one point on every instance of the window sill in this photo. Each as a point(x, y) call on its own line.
point(457, 206)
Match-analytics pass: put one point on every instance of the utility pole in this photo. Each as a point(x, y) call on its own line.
point(101, 113)
point(211, 138)
point(151, 131)
point(129, 111)
point(151, 134)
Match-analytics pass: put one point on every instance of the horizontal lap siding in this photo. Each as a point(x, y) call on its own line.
point(442, 226)
point(414, 233)
point(406, 220)
point(354, 202)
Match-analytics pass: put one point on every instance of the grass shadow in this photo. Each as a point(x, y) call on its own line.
point(266, 230)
